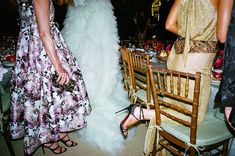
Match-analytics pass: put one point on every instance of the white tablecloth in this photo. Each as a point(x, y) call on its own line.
point(2, 72)
point(5, 75)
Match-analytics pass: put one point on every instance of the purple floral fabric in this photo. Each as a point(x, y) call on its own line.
point(41, 110)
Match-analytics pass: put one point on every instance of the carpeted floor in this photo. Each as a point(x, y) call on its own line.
point(134, 147)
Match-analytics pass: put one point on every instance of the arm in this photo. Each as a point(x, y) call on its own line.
point(171, 21)
point(223, 19)
point(42, 13)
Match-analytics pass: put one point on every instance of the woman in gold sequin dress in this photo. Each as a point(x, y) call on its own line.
point(195, 48)
point(193, 51)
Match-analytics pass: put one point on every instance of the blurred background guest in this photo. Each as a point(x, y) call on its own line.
point(226, 33)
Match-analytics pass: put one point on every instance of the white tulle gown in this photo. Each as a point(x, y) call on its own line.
point(90, 31)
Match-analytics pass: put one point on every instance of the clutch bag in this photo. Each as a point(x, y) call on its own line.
point(65, 87)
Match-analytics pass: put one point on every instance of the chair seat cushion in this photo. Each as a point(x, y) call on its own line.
point(142, 95)
point(141, 83)
point(212, 130)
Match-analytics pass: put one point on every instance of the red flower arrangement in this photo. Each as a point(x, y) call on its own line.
point(219, 60)
point(168, 48)
point(217, 72)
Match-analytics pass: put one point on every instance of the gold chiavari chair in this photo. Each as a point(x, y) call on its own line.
point(140, 90)
point(176, 124)
point(126, 69)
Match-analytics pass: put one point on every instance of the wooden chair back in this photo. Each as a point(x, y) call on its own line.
point(140, 76)
point(126, 68)
point(176, 99)
point(175, 86)
point(124, 43)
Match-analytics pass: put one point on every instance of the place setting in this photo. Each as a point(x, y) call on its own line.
point(216, 71)
point(8, 61)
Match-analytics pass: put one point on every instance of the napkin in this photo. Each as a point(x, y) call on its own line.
point(2, 71)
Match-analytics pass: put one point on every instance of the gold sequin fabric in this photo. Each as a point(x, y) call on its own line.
point(195, 46)
point(193, 52)
point(197, 19)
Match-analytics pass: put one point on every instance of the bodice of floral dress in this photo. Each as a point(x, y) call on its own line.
point(27, 15)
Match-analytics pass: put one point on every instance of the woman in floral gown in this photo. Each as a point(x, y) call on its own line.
point(44, 110)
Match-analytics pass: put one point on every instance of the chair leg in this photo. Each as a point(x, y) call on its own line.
point(155, 150)
point(225, 148)
point(7, 140)
point(192, 151)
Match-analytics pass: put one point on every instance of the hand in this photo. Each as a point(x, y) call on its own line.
point(63, 77)
point(227, 112)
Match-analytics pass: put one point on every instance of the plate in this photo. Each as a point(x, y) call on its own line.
point(8, 64)
point(151, 53)
point(215, 82)
point(162, 58)
point(140, 49)
point(153, 60)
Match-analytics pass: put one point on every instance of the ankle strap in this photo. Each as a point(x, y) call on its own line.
point(141, 112)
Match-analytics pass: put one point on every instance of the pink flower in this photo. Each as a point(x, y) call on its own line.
point(159, 46)
point(218, 62)
point(146, 43)
point(168, 48)
point(221, 52)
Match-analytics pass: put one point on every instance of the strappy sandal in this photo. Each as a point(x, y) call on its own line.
point(54, 150)
point(124, 131)
point(131, 110)
point(65, 141)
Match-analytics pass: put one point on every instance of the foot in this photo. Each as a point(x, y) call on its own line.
point(67, 141)
point(124, 130)
point(55, 147)
point(130, 120)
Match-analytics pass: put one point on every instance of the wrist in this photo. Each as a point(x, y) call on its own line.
point(57, 66)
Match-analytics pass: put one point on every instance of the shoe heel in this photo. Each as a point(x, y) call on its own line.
point(43, 150)
point(126, 108)
point(121, 110)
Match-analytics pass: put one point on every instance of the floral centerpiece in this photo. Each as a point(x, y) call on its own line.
point(219, 60)
point(217, 71)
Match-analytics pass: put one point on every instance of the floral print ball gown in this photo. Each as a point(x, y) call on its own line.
point(40, 109)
